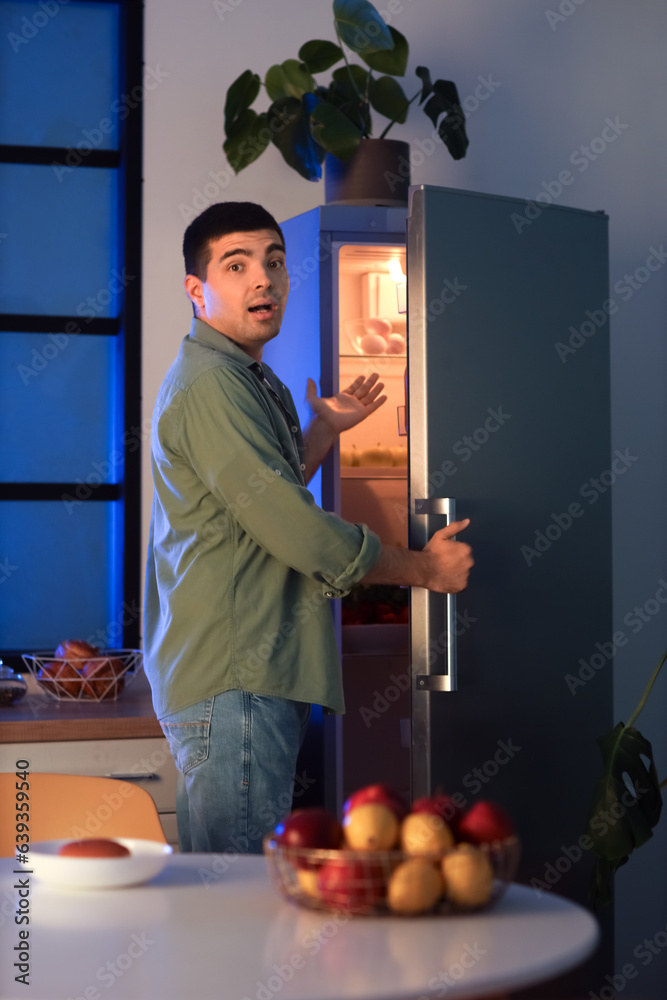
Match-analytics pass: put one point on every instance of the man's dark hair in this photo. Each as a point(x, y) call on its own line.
point(219, 220)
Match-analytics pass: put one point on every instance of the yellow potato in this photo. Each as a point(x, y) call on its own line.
point(371, 827)
point(425, 833)
point(414, 887)
point(468, 876)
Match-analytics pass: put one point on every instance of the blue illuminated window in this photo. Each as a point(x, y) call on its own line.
point(70, 360)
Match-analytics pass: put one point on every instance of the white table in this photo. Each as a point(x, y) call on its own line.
point(212, 928)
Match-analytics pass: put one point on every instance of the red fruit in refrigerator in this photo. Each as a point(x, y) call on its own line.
point(383, 795)
point(310, 828)
point(440, 805)
point(356, 886)
point(484, 823)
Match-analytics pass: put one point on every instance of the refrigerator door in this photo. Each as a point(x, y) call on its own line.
point(509, 419)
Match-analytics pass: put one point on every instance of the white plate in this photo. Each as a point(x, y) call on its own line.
point(147, 859)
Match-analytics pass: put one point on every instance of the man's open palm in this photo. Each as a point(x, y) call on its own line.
point(348, 407)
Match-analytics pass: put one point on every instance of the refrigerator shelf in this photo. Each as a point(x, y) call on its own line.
point(373, 472)
point(375, 357)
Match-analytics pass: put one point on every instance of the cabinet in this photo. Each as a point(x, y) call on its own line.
point(147, 763)
point(112, 739)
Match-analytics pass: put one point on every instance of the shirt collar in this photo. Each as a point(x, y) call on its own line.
point(203, 333)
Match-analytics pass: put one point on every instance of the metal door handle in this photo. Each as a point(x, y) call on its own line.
point(134, 776)
point(446, 681)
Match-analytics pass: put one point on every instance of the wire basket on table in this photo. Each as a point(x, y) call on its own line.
point(94, 678)
point(366, 883)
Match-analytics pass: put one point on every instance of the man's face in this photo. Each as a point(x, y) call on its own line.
point(245, 290)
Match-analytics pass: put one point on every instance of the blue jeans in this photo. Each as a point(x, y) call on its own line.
point(237, 754)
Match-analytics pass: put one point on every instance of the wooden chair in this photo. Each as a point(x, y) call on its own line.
point(74, 807)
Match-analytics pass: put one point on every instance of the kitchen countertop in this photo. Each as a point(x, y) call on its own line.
point(38, 718)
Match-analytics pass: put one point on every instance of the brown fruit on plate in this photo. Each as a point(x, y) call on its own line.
point(94, 847)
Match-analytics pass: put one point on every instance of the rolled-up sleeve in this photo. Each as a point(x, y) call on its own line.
point(233, 438)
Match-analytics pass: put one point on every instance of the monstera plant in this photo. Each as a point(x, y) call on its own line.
point(307, 119)
point(627, 801)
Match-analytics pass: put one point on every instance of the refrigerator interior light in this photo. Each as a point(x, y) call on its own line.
point(378, 296)
point(396, 272)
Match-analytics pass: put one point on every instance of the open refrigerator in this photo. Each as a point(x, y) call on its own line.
point(492, 341)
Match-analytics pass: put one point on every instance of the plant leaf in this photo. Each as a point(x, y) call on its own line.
point(288, 79)
point(620, 820)
point(444, 101)
point(425, 78)
point(387, 97)
point(393, 61)
point(240, 96)
point(358, 73)
point(360, 26)
point(248, 139)
point(334, 131)
point(342, 94)
point(289, 121)
point(319, 55)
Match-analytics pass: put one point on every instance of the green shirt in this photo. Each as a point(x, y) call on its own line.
point(242, 563)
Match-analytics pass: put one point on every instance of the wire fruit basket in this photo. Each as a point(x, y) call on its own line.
point(102, 677)
point(393, 883)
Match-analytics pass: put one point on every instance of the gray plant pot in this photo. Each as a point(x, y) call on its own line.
point(377, 174)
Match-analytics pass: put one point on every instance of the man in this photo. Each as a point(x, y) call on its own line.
point(238, 549)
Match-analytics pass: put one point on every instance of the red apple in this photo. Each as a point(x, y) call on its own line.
point(356, 886)
point(310, 828)
point(484, 823)
point(440, 805)
point(384, 795)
